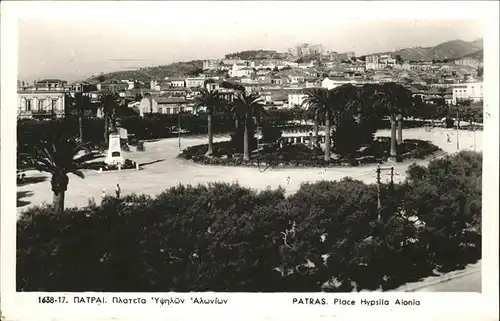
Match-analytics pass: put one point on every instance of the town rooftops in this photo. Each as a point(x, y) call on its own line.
point(175, 79)
point(170, 100)
point(176, 89)
point(51, 81)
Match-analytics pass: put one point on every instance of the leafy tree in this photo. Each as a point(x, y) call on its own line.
point(396, 101)
point(480, 71)
point(247, 107)
point(59, 156)
point(213, 102)
point(101, 78)
point(138, 97)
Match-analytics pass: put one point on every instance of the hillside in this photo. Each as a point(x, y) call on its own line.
point(176, 69)
point(475, 55)
point(255, 54)
point(446, 50)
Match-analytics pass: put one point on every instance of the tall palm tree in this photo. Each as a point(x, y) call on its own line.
point(81, 103)
point(312, 112)
point(318, 100)
point(109, 101)
point(213, 102)
point(247, 107)
point(396, 102)
point(58, 156)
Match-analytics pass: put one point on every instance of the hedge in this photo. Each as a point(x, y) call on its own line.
point(225, 237)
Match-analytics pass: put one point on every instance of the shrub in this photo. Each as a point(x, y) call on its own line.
point(224, 237)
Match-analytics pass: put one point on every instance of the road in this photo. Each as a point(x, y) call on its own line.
point(466, 280)
point(467, 283)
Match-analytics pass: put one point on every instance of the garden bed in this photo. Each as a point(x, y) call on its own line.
point(299, 155)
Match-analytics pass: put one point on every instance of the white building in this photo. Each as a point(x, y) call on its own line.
point(471, 90)
point(177, 82)
point(296, 99)
point(211, 64)
point(130, 83)
point(45, 104)
point(330, 84)
point(148, 105)
point(195, 82)
point(240, 71)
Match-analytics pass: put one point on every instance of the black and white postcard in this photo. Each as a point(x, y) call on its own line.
point(247, 160)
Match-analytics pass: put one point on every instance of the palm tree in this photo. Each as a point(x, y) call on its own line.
point(313, 112)
point(82, 103)
point(318, 100)
point(109, 101)
point(212, 101)
point(396, 101)
point(247, 107)
point(59, 157)
point(334, 104)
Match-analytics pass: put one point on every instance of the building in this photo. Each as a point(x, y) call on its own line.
point(240, 70)
point(372, 63)
point(211, 86)
point(130, 83)
point(148, 105)
point(112, 85)
point(41, 103)
point(468, 62)
point(195, 82)
point(296, 99)
point(333, 83)
point(177, 82)
point(50, 84)
point(471, 90)
point(211, 64)
point(175, 91)
point(173, 105)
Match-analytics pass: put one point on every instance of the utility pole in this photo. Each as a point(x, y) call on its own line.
point(474, 132)
point(458, 127)
point(379, 203)
point(179, 126)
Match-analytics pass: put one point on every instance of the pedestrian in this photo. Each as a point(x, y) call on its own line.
point(117, 190)
point(104, 194)
point(448, 138)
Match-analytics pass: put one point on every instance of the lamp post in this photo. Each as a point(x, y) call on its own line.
point(474, 132)
point(458, 127)
point(179, 126)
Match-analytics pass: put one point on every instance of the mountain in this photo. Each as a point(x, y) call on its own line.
point(177, 69)
point(447, 50)
point(475, 55)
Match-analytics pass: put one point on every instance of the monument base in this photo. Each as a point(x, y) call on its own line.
point(114, 155)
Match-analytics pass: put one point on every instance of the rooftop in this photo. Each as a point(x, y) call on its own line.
point(51, 81)
point(170, 100)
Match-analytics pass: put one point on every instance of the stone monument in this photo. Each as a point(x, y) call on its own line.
point(114, 156)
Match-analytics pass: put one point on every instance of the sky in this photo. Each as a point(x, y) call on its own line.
point(73, 41)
